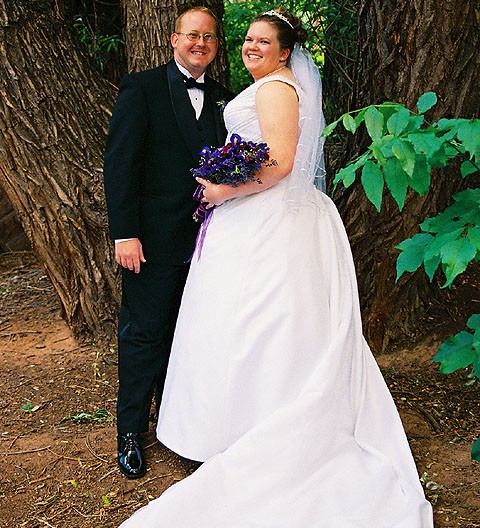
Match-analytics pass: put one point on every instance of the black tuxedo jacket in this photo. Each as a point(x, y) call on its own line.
point(153, 142)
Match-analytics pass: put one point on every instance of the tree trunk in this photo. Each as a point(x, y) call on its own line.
point(54, 113)
point(404, 50)
point(147, 30)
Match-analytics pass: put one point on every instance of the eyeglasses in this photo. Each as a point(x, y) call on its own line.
point(195, 37)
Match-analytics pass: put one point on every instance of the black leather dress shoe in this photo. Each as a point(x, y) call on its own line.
point(130, 455)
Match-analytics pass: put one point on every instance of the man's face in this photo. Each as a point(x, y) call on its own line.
point(195, 56)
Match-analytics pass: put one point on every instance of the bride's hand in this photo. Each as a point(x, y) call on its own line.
point(214, 194)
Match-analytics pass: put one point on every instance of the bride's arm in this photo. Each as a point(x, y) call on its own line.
point(277, 109)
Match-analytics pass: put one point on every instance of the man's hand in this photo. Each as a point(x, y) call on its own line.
point(129, 254)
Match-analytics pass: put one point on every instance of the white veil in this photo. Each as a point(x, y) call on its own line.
point(309, 166)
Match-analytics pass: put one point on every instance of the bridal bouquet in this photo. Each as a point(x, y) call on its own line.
point(236, 162)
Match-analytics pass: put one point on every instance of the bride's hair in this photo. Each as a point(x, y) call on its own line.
point(289, 27)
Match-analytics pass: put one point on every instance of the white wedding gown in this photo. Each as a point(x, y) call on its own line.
point(271, 382)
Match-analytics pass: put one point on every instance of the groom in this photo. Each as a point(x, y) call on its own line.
point(161, 120)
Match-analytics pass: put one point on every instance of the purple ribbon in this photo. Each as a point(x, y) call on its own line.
point(203, 215)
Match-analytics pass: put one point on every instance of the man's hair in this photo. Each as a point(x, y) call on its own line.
point(199, 9)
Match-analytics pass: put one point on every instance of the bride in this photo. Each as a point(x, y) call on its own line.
point(270, 381)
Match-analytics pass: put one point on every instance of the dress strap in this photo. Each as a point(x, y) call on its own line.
point(270, 78)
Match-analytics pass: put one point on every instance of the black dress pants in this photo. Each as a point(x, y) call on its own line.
point(148, 313)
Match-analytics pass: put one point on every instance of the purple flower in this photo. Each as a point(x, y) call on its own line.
point(233, 164)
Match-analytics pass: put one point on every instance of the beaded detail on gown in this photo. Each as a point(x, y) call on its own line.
point(271, 382)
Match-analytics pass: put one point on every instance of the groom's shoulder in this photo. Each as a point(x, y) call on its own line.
point(148, 76)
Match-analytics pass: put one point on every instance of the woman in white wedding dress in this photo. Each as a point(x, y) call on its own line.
point(270, 381)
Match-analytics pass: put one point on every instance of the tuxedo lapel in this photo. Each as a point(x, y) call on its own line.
point(183, 110)
point(218, 105)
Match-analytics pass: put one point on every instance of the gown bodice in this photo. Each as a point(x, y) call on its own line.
point(240, 114)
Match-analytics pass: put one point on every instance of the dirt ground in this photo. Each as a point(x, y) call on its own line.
point(57, 433)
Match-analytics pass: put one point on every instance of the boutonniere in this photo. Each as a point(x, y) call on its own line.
point(221, 104)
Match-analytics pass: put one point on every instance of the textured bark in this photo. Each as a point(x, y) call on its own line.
point(404, 50)
point(54, 113)
point(12, 235)
point(147, 30)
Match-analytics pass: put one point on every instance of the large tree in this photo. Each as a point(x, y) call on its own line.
point(406, 49)
point(54, 114)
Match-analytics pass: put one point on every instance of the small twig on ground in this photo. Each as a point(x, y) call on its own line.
point(13, 441)
point(27, 451)
point(39, 479)
point(93, 453)
point(154, 478)
point(78, 459)
point(107, 474)
point(45, 522)
point(10, 334)
point(87, 516)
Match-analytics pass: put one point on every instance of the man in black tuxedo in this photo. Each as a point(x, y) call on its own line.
point(162, 119)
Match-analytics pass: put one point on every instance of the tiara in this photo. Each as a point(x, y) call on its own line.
point(280, 16)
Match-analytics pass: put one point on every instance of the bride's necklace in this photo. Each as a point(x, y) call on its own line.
point(275, 71)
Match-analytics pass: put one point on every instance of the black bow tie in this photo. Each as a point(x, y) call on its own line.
point(190, 82)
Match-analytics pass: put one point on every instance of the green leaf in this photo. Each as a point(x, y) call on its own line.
point(474, 322)
point(426, 101)
point(469, 135)
point(473, 235)
point(405, 153)
point(330, 128)
point(420, 179)
point(398, 121)
point(360, 117)
point(374, 122)
point(455, 353)
point(456, 255)
point(412, 253)
point(372, 181)
point(431, 265)
point(439, 159)
point(425, 142)
point(467, 168)
point(476, 450)
point(345, 175)
point(415, 122)
point(349, 123)
point(396, 180)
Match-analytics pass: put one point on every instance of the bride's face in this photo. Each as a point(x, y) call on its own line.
point(261, 51)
